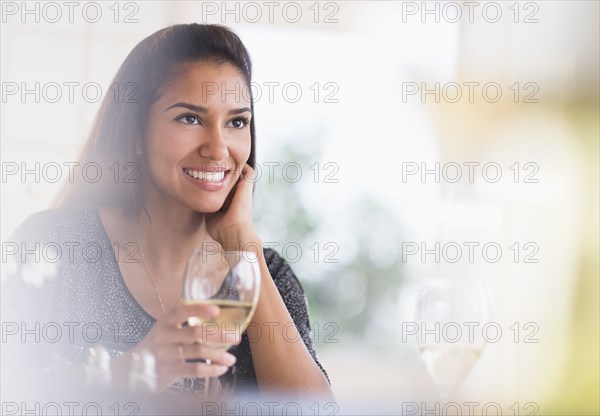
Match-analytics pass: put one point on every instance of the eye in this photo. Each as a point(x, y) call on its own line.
point(239, 122)
point(188, 119)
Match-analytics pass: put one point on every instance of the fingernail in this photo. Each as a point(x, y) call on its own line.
point(231, 359)
point(213, 311)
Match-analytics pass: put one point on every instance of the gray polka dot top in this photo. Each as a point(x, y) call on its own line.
point(62, 275)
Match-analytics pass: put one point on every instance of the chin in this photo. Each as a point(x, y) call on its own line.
point(208, 207)
point(207, 210)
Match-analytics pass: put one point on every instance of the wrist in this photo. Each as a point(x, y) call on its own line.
point(240, 239)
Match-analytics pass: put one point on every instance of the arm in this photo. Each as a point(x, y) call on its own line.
point(293, 295)
point(282, 361)
point(279, 363)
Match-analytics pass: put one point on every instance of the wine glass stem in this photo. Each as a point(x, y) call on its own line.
point(207, 382)
point(211, 386)
point(444, 394)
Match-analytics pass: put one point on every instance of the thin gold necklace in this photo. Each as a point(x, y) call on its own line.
point(158, 296)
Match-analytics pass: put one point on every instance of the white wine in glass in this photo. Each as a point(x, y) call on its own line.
point(230, 280)
point(234, 316)
point(449, 356)
point(449, 364)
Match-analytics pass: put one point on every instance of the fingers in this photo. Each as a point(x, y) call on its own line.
point(246, 173)
point(172, 364)
point(205, 352)
point(172, 344)
point(244, 187)
point(179, 353)
point(207, 333)
point(170, 371)
point(248, 176)
point(198, 370)
point(182, 312)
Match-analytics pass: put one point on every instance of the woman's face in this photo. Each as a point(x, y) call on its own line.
point(198, 137)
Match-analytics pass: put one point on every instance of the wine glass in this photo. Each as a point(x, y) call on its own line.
point(230, 280)
point(450, 314)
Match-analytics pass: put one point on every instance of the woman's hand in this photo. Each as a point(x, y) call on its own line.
point(171, 344)
point(232, 225)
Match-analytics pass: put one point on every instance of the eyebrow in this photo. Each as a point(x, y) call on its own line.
point(200, 109)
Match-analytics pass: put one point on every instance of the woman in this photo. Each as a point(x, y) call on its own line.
point(181, 152)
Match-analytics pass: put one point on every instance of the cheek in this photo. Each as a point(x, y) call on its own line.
point(163, 152)
point(241, 151)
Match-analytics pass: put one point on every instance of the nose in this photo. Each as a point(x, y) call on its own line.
point(214, 145)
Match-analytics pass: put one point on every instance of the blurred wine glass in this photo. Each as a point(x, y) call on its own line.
point(450, 314)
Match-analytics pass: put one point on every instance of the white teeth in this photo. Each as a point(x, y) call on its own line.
point(206, 176)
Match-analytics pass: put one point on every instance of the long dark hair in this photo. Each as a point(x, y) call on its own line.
point(123, 116)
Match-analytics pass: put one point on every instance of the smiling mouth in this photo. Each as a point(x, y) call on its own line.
point(212, 177)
